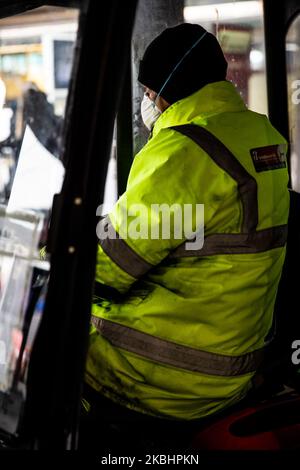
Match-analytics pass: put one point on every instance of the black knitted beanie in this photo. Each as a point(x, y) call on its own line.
point(193, 62)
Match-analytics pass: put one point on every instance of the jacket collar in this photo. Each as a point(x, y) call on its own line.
point(214, 98)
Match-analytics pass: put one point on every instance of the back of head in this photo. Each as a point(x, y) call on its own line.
point(181, 60)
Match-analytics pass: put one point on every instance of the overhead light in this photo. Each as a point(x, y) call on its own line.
point(223, 11)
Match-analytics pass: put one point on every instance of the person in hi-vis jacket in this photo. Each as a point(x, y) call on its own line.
point(176, 332)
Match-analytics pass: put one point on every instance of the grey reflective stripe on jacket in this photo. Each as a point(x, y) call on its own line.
point(249, 240)
point(237, 243)
point(224, 158)
point(176, 355)
point(121, 253)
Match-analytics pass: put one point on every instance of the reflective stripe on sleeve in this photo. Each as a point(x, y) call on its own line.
point(176, 355)
point(121, 253)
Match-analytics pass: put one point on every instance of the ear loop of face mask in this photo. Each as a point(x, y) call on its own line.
point(178, 64)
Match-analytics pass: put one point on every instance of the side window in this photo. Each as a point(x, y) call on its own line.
point(36, 57)
point(239, 28)
point(293, 70)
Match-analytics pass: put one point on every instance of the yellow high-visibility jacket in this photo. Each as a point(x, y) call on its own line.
point(188, 331)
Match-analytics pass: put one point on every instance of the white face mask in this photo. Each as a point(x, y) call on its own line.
point(150, 112)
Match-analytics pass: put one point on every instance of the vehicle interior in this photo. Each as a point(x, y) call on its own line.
point(70, 127)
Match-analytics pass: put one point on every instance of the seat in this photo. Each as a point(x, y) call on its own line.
point(271, 425)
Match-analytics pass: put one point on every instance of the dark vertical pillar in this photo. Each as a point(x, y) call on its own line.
point(275, 34)
point(152, 17)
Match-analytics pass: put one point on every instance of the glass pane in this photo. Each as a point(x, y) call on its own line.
point(293, 69)
point(238, 26)
point(36, 56)
point(111, 183)
point(163, 15)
